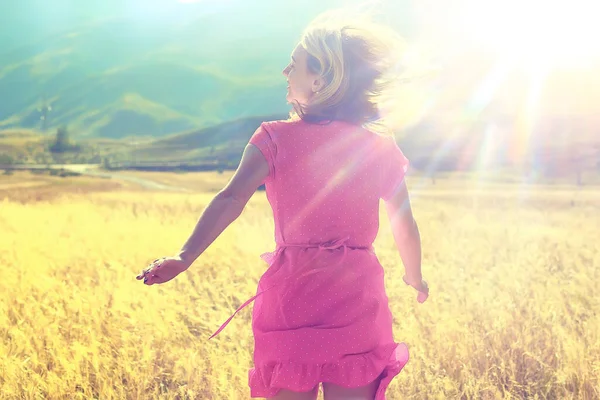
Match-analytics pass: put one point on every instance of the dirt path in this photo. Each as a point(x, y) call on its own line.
point(94, 170)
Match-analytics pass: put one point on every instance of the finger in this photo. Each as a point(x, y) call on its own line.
point(158, 260)
point(148, 269)
point(143, 273)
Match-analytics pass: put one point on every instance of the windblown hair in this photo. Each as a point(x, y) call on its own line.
point(359, 61)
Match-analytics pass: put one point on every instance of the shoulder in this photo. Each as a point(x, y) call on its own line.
point(382, 141)
point(271, 133)
point(281, 126)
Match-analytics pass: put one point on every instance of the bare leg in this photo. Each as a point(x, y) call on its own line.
point(285, 394)
point(335, 392)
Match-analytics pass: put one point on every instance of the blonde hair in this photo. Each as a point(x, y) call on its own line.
point(360, 62)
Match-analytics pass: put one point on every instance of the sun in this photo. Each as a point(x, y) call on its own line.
point(556, 33)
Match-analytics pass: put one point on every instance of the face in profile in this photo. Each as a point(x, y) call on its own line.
point(302, 84)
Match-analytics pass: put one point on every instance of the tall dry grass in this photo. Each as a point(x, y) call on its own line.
point(513, 312)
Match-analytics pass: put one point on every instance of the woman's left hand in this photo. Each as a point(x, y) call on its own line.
point(163, 270)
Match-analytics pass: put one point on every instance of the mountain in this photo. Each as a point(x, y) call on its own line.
point(223, 142)
point(130, 88)
point(130, 67)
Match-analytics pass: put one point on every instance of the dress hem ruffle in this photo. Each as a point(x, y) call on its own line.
point(352, 371)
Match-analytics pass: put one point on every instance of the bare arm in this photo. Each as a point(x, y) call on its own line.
point(406, 234)
point(227, 205)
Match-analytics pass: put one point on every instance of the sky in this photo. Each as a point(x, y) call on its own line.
point(25, 21)
point(565, 29)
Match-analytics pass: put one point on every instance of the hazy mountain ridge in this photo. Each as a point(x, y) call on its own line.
point(75, 76)
point(84, 61)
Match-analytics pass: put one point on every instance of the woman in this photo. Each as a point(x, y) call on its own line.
point(321, 312)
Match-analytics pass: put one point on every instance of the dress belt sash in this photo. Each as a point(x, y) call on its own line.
point(270, 258)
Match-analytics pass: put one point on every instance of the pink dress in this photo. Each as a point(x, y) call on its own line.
point(321, 313)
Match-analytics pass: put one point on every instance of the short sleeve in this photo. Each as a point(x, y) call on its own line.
point(264, 142)
point(395, 167)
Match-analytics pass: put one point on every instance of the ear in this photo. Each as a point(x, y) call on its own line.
point(318, 84)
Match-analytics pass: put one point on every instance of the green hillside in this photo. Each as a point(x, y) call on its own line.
point(183, 66)
point(88, 78)
point(223, 142)
point(149, 99)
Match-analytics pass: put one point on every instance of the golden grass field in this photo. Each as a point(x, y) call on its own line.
point(513, 311)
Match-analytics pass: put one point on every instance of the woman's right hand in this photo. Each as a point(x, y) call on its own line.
point(163, 270)
point(421, 287)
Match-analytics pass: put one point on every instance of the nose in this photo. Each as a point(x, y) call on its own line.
point(286, 70)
